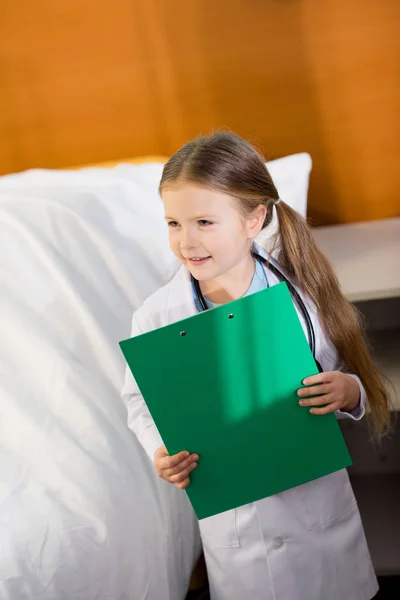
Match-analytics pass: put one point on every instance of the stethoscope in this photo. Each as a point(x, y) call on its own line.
point(293, 292)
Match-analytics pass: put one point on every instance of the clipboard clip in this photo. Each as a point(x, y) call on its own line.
point(183, 332)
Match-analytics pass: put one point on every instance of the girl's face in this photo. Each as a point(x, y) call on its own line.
point(207, 231)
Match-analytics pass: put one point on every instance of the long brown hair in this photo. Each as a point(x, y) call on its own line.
point(225, 162)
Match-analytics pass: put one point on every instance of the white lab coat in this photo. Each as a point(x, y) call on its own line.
point(306, 543)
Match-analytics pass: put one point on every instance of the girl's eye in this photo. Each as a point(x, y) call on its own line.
point(173, 224)
point(204, 222)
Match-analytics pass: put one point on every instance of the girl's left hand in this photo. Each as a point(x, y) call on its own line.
point(337, 390)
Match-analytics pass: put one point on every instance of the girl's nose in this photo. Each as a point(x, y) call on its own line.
point(188, 240)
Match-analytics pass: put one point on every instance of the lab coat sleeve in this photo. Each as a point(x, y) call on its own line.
point(140, 420)
point(359, 411)
point(331, 361)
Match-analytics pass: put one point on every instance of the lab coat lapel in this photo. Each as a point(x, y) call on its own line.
point(180, 301)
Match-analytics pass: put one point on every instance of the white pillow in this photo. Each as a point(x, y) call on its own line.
point(291, 176)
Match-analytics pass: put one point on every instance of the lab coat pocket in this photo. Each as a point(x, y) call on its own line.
point(219, 531)
point(322, 501)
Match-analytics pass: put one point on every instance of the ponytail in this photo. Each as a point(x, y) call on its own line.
point(297, 253)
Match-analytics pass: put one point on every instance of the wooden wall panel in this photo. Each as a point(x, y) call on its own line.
point(89, 80)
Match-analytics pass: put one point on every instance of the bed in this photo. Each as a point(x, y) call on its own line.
point(83, 516)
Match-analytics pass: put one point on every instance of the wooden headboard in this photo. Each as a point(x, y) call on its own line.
point(82, 82)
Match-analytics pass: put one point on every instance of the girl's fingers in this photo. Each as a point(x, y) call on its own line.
point(183, 484)
point(318, 401)
point(316, 391)
point(182, 476)
point(325, 410)
point(169, 472)
point(168, 462)
point(325, 377)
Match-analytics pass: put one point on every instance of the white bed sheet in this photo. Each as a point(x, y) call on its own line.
point(82, 515)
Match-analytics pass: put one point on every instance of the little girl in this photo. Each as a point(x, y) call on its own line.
point(306, 543)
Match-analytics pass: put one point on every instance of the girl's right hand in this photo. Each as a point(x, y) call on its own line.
point(175, 469)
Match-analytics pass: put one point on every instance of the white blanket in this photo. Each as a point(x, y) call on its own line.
point(82, 516)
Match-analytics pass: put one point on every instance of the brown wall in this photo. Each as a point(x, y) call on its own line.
point(91, 80)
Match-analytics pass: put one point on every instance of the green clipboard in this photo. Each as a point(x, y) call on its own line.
point(223, 384)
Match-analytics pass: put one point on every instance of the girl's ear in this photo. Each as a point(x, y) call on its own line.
point(255, 221)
